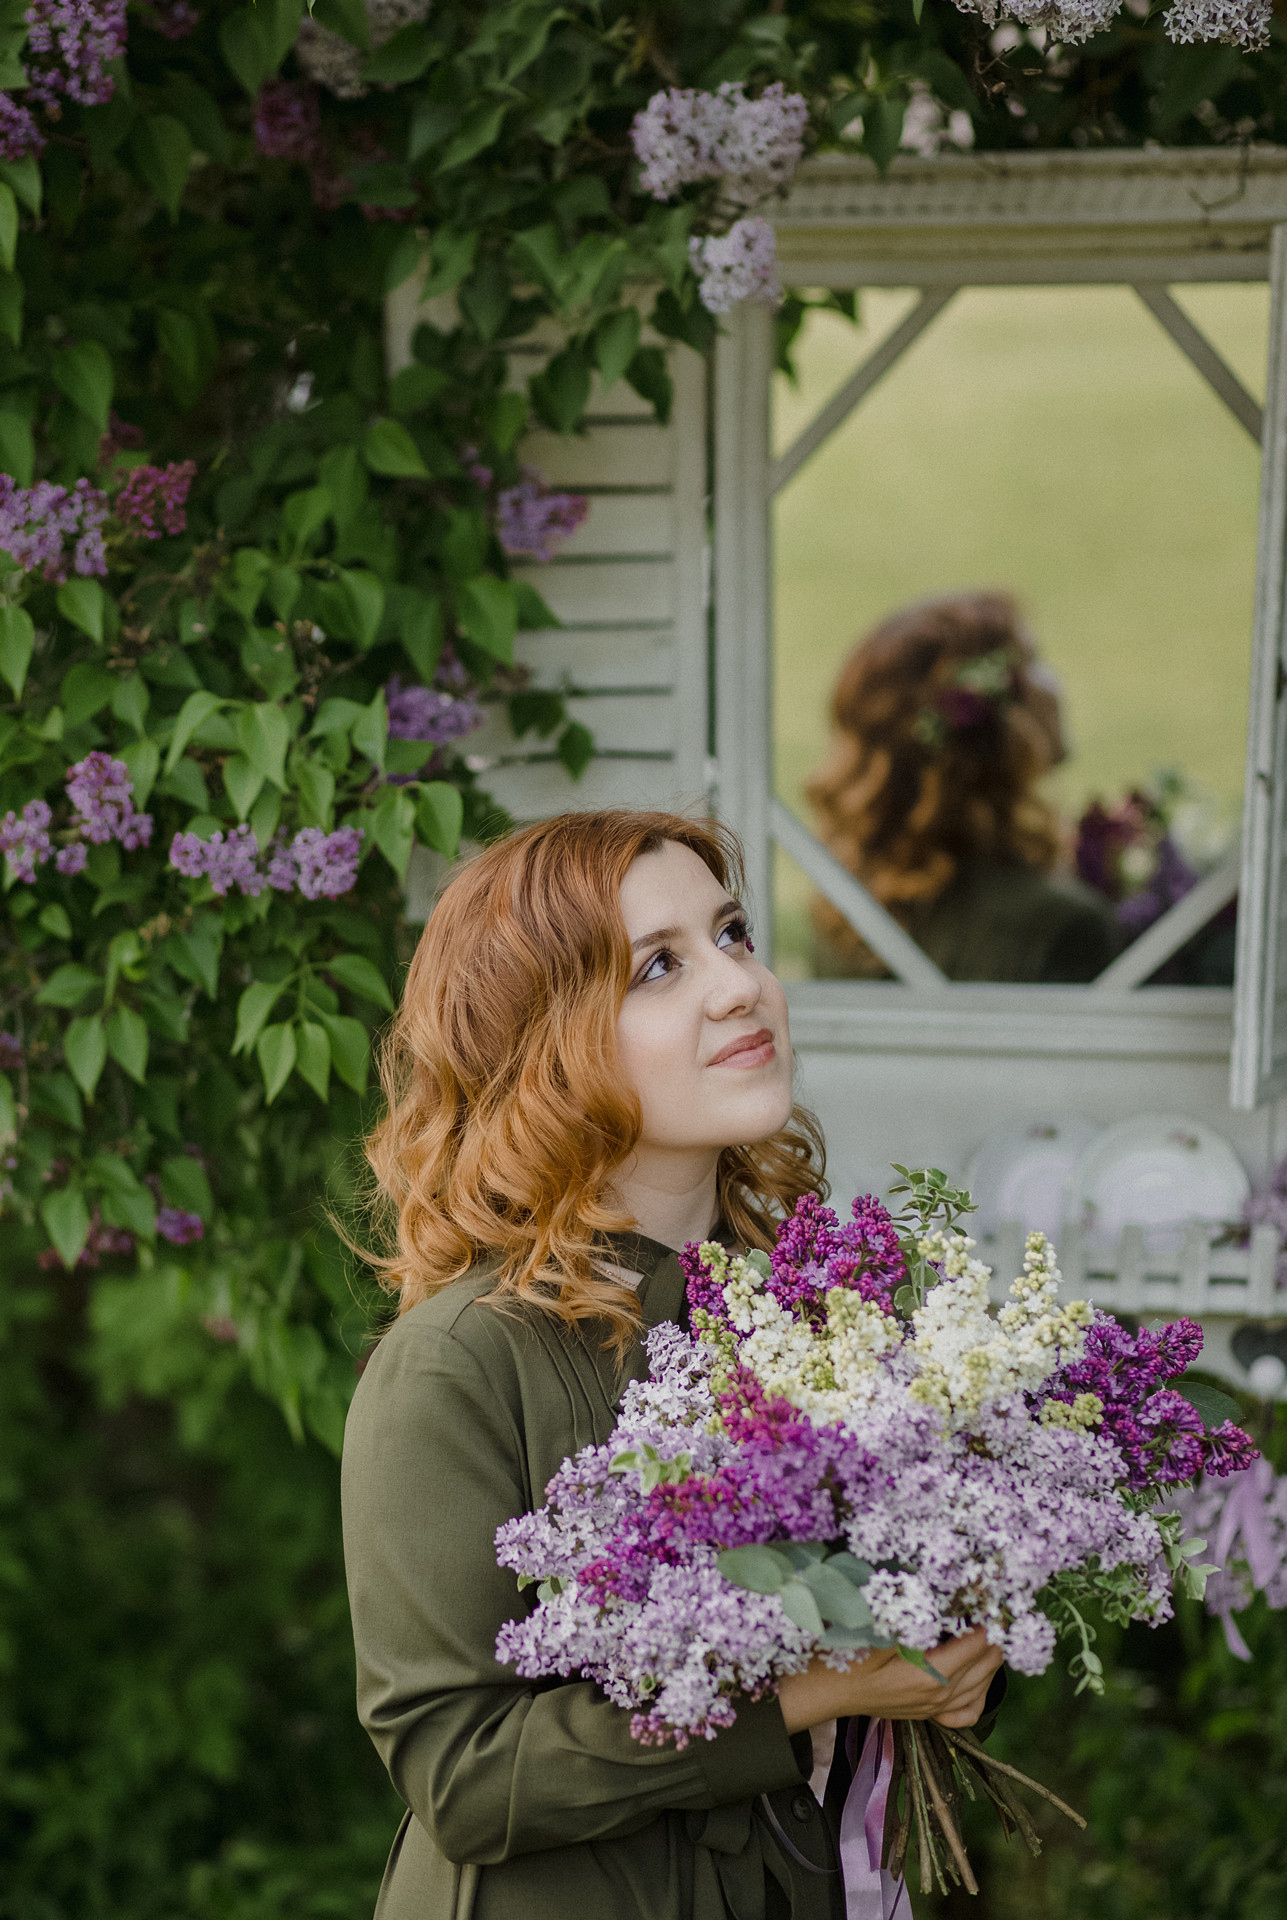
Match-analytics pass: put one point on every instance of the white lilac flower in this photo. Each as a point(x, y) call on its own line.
point(738, 265)
point(1243, 23)
point(335, 63)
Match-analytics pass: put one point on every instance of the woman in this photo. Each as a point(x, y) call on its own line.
point(944, 724)
point(590, 1069)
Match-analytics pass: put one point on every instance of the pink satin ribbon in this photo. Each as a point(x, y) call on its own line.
point(871, 1893)
point(1243, 1514)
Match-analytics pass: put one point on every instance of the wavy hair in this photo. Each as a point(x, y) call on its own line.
point(507, 1113)
point(941, 731)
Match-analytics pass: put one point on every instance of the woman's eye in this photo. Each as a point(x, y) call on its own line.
point(735, 933)
point(658, 967)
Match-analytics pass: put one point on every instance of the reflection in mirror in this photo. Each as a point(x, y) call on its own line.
point(1013, 611)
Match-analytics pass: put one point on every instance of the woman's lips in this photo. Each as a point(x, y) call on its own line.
point(753, 1050)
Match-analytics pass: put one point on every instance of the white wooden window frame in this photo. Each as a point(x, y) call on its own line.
point(1143, 220)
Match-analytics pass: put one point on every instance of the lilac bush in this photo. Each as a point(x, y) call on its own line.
point(72, 42)
point(37, 523)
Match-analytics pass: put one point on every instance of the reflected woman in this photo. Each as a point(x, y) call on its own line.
point(944, 724)
point(590, 1069)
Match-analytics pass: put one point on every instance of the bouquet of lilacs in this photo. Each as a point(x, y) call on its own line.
point(850, 1450)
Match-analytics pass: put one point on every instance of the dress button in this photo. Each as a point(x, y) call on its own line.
point(803, 1806)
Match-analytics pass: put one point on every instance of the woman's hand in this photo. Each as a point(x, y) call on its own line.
point(888, 1687)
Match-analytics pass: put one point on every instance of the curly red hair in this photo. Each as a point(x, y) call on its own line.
point(507, 1113)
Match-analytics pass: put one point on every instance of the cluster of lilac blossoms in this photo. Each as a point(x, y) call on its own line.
point(1241, 23)
point(963, 1462)
point(534, 520)
point(321, 865)
point(156, 493)
point(102, 797)
point(38, 524)
point(69, 46)
point(431, 714)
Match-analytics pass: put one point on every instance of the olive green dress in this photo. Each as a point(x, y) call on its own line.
point(531, 1801)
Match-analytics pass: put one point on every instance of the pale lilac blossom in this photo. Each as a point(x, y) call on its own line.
point(179, 1228)
point(24, 839)
point(738, 265)
point(19, 134)
point(37, 523)
point(72, 42)
point(71, 859)
point(335, 63)
point(428, 714)
point(534, 520)
point(102, 795)
point(226, 861)
point(1241, 23)
point(751, 146)
point(322, 865)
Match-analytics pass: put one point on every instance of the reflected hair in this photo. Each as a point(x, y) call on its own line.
point(507, 1111)
point(938, 742)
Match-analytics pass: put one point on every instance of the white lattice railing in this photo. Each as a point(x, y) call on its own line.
point(1197, 1278)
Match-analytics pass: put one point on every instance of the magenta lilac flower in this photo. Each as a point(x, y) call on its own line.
point(156, 493)
point(424, 713)
point(122, 436)
point(11, 1054)
point(179, 1228)
point(69, 46)
point(19, 134)
point(533, 520)
point(37, 523)
point(24, 838)
point(288, 120)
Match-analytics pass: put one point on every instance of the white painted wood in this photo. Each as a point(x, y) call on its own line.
point(743, 371)
point(1197, 1278)
point(1183, 214)
point(534, 789)
point(1259, 1067)
point(1179, 923)
point(592, 593)
point(628, 454)
point(1197, 349)
point(850, 897)
point(858, 386)
point(635, 722)
point(602, 657)
point(624, 524)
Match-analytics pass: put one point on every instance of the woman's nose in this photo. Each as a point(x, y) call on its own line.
point(732, 987)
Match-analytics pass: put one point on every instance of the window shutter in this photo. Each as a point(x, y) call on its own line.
point(1260, 1009)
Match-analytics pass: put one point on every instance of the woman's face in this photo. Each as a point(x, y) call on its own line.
point(702, 1033)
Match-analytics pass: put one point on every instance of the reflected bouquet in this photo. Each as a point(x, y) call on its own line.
point(851, 1450)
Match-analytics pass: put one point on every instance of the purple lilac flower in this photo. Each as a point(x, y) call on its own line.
point(179, 1228)
point(1172, 877)
point(37, 522)
point(684, 136)
point(480, 475)
point(225, 862)
point(100, 1240)
point(19, 134)
point(288, 120)
point(156, 491)
point(328, 862)
point(814, 1253)
point(533, 521)
point(101, 791)
point(738, 265)
point(71, 859)
point(24, 839)
point(73, 41)
point(11, 1055)
point(423, 713)
point(122, 436)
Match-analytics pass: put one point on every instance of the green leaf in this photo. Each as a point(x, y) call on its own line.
point(126, 1201)
point(162, 150)
point(364, 598)
point(284, 589)
point(253, 1008)
point(17, 447)
point(882, 127)
point(127, 1042)
point(24, 177)
point(759, 1569)
point(575, 748)
point(315, 785)
point(8, 226)
point(255, 40)
point(799, 1605)
point(389, 449)
point(184, 1185)
point(839, 1601)
point(131, 700)
point(857, 1571)
point(125, 949)
point(56, 1094)
point(560, 391)
point(304, 512)
point(195, 953)
point(86, 690)
point(84, 373)
point(479, 129)
point(406, 254)
point(276, 1050)
point(68, 985)
point(402, 58)
point(440, 813)
point(450, 257)
point(487, 609)
point(616, 341)
point(649, 375)
point(66, 1219)
point(350, 1048)
point(17, 642)
point(8, 1110)
point(85, 1051)
point(1213, 1407)
point(54, 921)
point(243, 589)
point(180, 343)
point(360, 976)
point(393, 827)
point(370, 729)
point(263, 734)
point(196, 709)
point(142, 762)
point(418, 618)
point(82, 602)
point(241, 783)
point(416, 387)
point(313, 1056)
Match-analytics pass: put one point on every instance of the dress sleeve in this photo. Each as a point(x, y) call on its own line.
point(491, 1766)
